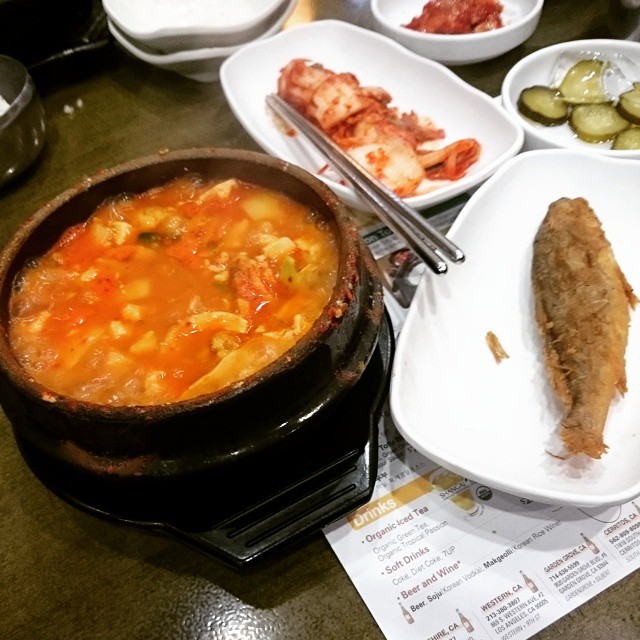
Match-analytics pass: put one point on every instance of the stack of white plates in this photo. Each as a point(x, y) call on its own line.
point(193, 37)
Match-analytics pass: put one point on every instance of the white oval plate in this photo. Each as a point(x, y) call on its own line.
point(493, 422)
point(537, 68)
point(415, 83)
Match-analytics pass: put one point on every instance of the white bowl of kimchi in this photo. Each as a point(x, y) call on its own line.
point(470, 32)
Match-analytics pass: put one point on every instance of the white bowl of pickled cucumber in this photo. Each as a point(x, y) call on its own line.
point(583, 94)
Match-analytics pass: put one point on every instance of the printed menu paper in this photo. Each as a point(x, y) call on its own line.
point(438, 556)
point(435, 555)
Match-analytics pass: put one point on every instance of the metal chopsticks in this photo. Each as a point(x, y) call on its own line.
point(426, 241)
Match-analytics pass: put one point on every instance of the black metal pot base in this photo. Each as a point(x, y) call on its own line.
point(261, 503)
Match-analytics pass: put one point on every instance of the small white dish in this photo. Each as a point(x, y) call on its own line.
point(493, 422)
point(202, 65)
point(172, 25)
point(203, 69)
point(415, 83)
point(520, 19)
point(537, 69)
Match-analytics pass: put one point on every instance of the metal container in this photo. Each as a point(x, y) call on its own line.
point(22, 124)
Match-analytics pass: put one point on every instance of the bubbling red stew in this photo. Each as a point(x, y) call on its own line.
point(174, 293)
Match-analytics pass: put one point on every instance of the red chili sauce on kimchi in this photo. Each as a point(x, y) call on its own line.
point(458, 17)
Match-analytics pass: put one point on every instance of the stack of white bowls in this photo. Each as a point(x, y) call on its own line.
point(193, 37)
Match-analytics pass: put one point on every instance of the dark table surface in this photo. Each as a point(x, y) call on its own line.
point(66, 574)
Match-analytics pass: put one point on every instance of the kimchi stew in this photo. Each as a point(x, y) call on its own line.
point(173, 293)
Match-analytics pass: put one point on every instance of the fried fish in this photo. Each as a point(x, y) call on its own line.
point(582, 308)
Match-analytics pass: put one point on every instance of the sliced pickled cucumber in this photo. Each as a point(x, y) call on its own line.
point(596, 122)
point(629, 104)
point(544, 105)
point(583, 83)
point(627, 140)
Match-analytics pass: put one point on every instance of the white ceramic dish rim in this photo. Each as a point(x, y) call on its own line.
point(467, 38)
point(420, 201)
point(205, 70)
point(195, 55)
point(547, 133)
point(515, 486)
point(165, 32)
